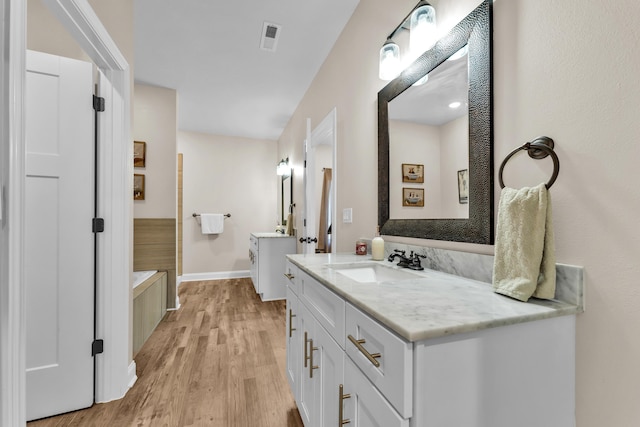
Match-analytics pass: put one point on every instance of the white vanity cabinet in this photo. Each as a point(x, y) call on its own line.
point(294, 344)
point(267, 263)
point(346, 365)
point(316, 360)
point(321, 374)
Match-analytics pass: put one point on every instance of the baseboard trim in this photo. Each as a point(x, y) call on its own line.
point(131, 373)
point(219, 275)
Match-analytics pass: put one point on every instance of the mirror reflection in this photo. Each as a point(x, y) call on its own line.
point(286, 187)
point(429, 144)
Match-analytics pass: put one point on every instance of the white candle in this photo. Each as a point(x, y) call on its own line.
point(377, 247)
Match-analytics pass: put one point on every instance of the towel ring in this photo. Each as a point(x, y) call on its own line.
point(539, 148)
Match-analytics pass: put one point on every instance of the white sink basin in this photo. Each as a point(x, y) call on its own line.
point(372, 272)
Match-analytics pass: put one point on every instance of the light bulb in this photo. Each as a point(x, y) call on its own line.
point(423, 30)
point(389, 66)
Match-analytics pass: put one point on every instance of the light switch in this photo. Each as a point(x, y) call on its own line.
point(347, 215)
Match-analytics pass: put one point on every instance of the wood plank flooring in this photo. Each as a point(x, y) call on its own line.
point(217, 361)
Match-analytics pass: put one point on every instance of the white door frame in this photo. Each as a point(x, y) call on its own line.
point(325, 133)
point(114, 372)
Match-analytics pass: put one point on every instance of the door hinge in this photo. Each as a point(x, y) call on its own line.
point(97, 347)
point(304, 222)
point(305, 163)
point(98, 103)
point(98, 225)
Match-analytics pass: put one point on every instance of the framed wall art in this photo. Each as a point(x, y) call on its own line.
point(139, 154)
point(463, 186)
point(412, 173)
point(413, 197)
point(138, 186)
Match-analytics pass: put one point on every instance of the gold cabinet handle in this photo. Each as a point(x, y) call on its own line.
point(305, 349)
point(289, 276)
point(372, 357)
point(291, 329)
point(341, 398)
point(311, 350)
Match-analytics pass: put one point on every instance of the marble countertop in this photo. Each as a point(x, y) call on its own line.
point(432, 305)
point(269, 235)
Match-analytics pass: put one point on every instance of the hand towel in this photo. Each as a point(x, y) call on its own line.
point(289, 230)
point(212, 223)
point(524, 263)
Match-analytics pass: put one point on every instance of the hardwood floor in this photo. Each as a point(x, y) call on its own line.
point(217, 361)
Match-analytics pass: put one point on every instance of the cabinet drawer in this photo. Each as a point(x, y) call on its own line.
point(363, 405)
point(326, 307)
point(291, 276)
point(253, 243)
point(393, 376)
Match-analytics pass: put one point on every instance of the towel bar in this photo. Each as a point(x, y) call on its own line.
point(539, 148)
point(225, 215)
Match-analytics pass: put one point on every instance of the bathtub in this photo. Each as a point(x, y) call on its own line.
point(140, 276)
point(149, 304)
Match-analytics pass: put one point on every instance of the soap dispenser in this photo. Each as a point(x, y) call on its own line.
point(377, 246)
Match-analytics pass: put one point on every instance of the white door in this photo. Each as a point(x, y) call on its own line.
point(59, 248)
point(323, 137)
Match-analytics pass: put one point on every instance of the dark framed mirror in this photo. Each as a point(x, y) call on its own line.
point(286, 197)
point(472, 34)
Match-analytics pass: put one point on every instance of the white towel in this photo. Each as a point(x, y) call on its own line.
point(524, 263)
point(212, 223)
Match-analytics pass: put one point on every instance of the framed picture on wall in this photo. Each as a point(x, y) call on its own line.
point(413, 197)
point(138, 186)
point(412, 173)
point(139, 154)
point(463, 186)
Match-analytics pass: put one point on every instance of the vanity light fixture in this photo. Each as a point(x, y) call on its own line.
point(421, 24)
point(283, 168)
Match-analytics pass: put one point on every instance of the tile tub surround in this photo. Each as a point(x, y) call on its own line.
point(433, 305)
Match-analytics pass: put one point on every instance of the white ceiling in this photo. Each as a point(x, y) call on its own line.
point(209, 51)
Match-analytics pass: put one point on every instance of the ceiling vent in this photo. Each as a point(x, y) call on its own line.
point(270, 36)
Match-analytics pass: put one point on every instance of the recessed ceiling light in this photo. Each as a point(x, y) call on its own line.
point(455, 105)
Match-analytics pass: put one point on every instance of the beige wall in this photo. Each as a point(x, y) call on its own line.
point(566, 69)
point(420, 145)
point(454, 154)
point(155, 122)
point(226, 175)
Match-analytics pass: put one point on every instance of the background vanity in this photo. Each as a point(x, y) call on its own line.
point(267, 259)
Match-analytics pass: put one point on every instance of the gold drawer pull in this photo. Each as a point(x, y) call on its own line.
point(305, 349)
point(341, 398)
point(372, 357)
point(291, 329)
point(289, 276)
point(311, 350)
